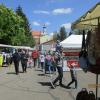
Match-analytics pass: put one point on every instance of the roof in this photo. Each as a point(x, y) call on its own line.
point(4, 45)
point(90, 18)
point(36, 33)
point(17, 47)
point(73, 41)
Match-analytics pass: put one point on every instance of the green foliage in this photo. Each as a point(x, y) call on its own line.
point(28, 36)
point(62, 33)
point(14, 28)
point(10, 26)
point(55, 36)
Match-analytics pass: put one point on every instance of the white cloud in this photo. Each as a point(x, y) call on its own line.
point(66, 25)
point(55, 11)
point(41, 12)
point(36, 23)
point(62, 11)
point(51, 34)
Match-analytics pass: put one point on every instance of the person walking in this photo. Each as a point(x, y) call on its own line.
point(58, 46)
point(1, 60)
point(73, 76)
point(16, 59)
point(35, 56)
point(59, 65)
point(48, 62)
point(24, 59)
point(30, 62)
point(42, 60)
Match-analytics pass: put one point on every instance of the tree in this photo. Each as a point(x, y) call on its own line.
point(10, 26)
point(28, 36)
point(62, 33)
point(55, 36)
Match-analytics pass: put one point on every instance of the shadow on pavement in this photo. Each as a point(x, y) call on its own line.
point(38, 70)
point(64, 86)
point(14, 72)
point(49, 84)
point(45, 83)
point(41, 74)
point(10, 73)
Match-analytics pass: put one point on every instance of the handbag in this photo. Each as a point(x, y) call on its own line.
point(86, 61)
point(82, 95)
point(91, 95)
point(83, 60)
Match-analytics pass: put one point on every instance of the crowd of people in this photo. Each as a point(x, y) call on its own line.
point(48, 61)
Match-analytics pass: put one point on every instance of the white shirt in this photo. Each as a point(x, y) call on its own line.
point(42, 58)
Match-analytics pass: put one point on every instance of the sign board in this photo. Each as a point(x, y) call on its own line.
point(73, 63)
point(72, 58)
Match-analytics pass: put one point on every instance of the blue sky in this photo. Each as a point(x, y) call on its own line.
point(52, 13)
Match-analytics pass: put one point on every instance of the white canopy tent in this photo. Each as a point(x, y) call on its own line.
point(73, 41)
point(16, 47)
point(4, 45)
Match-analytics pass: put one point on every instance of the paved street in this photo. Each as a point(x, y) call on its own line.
point(33, 85)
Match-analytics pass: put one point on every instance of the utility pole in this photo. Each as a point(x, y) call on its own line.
point(44, 28)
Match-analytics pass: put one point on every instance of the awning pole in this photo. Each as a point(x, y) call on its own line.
point(96, 86)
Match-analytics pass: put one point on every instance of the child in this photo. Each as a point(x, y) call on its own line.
point(73, 76)
point(42, 60)
point(30, 61)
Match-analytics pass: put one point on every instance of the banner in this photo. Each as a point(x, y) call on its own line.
point(73, 63)
point(71, 58)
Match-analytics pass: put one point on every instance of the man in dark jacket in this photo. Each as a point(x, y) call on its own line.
point(59, 65)
point(16, 59)
point(58, 46)
point(24, 59)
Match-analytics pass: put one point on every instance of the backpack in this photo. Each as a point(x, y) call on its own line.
point(82, 95)
point(85, 59)
point(91, 95)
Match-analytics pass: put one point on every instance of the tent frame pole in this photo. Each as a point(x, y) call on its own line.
point(96, 86)
point(97, 76)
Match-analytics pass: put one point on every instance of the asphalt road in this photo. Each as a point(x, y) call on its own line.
point(34, 85)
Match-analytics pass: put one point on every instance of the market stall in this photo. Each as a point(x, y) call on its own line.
point(71, 48)
point(90, 21)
